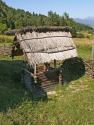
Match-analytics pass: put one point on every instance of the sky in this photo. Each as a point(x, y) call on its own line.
point(75, 8)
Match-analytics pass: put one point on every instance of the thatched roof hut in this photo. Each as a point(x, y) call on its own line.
point(42, 45)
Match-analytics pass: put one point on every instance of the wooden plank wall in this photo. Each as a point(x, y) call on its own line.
point(46, 84)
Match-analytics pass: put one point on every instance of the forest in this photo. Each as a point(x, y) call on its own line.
point(11, 18)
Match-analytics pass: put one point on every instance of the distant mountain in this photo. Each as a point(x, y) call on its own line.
point(88, 21)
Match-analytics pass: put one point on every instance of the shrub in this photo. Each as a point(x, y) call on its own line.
point(80, 35)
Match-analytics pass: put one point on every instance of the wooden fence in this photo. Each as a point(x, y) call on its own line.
point(5, 50)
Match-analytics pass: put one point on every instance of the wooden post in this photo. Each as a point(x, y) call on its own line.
point(60, 77)
point(93, 53)
point(93, 58)
point(54, 63)
point(35, 77)
point(4, 47)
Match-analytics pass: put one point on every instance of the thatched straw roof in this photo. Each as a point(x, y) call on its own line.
point(37, 29)
point(41, 47)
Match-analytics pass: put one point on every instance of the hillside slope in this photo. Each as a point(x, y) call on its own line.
point(11, 18)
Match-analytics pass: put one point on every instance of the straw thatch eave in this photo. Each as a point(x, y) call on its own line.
point(44, 44)
point(41, 47)
point(38, 29)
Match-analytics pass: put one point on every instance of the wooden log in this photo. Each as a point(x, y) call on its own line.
point(93, 54)
point(54, 63)
point(35, 77)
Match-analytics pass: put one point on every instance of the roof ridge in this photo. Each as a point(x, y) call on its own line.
point(39, 29)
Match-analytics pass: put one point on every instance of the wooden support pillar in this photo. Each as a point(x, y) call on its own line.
point(93, 54)
point(35, 77)
point(54, 63)
point(60, 77)
point(93, 58)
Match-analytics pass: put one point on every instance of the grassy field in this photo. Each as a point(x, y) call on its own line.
point(73, 103)
point(84, 47)
point(6, 40)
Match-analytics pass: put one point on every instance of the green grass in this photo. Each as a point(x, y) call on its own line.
point(73, 103)
point(6, 39)
point(6, 44)
point(84, 51)
point(84, 47)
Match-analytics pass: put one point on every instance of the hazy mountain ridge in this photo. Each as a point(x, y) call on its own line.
point(87, 21)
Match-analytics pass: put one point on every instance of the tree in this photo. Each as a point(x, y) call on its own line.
point(16, 18)
point(66, 16)
point(3, 27)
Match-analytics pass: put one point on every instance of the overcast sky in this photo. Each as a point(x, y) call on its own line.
point(75, 8)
